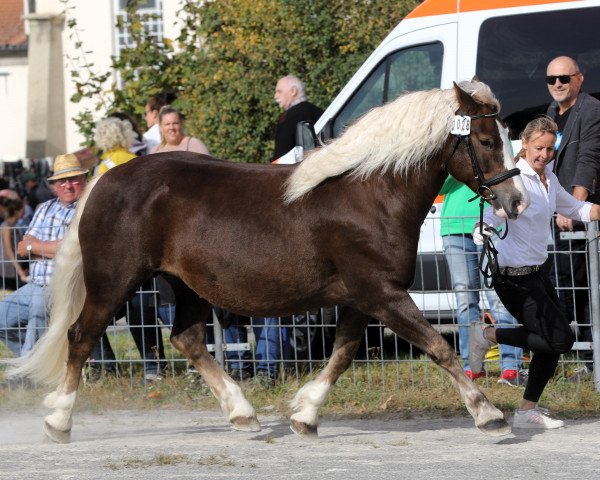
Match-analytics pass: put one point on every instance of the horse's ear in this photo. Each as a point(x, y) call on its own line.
point(465, 101)
point(475, 79)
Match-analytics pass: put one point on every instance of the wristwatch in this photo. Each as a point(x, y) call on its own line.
point(29, 247)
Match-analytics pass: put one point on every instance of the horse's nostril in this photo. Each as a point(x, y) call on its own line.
point(520, 207)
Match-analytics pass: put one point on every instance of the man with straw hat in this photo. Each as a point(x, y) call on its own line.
point(26, 308)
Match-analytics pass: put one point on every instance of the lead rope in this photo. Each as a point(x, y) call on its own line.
point(488, 260)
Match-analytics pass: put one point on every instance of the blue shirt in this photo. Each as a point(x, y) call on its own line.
point(50, 222)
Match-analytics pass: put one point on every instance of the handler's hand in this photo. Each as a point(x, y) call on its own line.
point(478, 237)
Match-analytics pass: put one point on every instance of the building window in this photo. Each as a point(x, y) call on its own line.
point(151, 11)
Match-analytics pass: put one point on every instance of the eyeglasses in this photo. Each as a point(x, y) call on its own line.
point(564, 79)
point(72, 181)
point(146, 112)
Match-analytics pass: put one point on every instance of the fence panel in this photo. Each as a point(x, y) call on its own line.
point(303, 342)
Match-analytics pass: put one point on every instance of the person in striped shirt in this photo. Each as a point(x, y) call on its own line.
point(23, 313)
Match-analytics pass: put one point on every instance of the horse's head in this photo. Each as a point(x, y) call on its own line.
point(481, 154)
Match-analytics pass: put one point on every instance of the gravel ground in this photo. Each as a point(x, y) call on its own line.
point(168, 444)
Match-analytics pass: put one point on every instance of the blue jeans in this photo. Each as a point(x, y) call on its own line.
point(235, 333)
point(167, 314)
point(237, 359)
point(462, 256)
point(23, 318)
point(270, 337)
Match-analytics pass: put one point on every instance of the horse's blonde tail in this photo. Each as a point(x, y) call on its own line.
point(46, 363)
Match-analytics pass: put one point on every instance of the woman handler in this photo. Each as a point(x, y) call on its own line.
point(523, 283)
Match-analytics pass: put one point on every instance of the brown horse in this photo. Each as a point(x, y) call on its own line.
point(341, 228)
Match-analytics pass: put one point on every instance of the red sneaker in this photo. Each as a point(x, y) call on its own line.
point(514, 378)
point(474, 376)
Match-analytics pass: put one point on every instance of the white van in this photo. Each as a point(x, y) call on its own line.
point(507, 44)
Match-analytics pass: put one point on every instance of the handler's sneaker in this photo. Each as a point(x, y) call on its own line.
point(536, 418)
point(478, 346)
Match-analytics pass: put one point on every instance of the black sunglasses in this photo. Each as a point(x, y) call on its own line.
point(564, 79)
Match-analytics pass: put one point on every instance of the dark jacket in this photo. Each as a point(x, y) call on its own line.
point(577, 161)
point(285, 130)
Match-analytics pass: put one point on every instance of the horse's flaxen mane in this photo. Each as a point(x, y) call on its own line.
point(400, 135)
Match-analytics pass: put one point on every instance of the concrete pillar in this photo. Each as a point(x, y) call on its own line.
point(46, 99)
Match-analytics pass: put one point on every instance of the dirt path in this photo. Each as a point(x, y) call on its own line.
point(166, 444)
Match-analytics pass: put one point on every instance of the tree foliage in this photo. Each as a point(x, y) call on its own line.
point(230, 54)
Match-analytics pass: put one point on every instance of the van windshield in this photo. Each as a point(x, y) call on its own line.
point(416, 68)
point(514, 51)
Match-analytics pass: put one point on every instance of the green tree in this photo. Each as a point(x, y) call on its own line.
point(230, 53)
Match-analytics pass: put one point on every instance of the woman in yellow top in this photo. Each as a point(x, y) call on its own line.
point(113, 136)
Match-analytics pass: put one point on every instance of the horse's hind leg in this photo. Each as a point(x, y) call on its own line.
point(405, 319)
point(348, 335)
point(82, 336)
point(188, 336)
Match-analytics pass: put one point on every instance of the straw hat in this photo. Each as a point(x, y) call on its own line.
point(66, 166)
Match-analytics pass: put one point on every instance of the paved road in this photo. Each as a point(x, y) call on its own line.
point(166, 444)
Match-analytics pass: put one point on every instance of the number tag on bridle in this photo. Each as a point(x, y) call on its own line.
point(461, 125)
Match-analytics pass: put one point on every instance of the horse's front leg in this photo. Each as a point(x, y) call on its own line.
point(404, 318)
point(188, 336)
point(348, 335)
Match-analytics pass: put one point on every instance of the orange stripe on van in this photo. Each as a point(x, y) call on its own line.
point(442, 7)
point(433, 7)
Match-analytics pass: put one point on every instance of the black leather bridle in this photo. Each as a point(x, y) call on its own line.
point(483, 185)
point(489, 251)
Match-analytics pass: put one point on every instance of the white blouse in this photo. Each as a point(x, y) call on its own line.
point(528, 235)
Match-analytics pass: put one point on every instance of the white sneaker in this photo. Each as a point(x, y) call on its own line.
point(536, 418)
point(478, 346)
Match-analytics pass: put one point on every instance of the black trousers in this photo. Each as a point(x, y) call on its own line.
point(544, 329)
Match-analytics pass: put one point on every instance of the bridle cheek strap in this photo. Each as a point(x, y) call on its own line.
point(489, 252)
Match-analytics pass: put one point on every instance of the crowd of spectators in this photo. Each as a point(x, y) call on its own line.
point(118, 139)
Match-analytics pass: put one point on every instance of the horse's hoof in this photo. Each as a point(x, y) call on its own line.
point(57, 436)
point(496, 428)
point(304, 429)
point(245, 424)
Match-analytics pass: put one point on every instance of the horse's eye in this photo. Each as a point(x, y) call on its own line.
point(487, 143)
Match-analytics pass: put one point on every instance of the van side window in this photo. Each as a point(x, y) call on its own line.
point(411, 69)
point(514, 51)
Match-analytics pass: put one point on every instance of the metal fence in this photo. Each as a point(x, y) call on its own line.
point(302, 343)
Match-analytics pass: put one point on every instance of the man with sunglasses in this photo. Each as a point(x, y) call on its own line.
point(577, 166)
point(23, 313)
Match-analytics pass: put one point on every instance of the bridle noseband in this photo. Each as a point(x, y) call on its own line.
point(462, 131)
